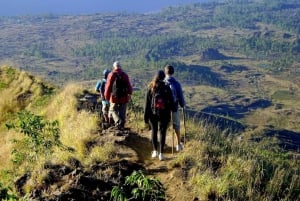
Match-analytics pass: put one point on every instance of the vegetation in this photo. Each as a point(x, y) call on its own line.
point(139, 187)
point(217, 165)
point(41, 137)
point(225, 168)
point(238, 61)
point(6, 193)
point(264, 30)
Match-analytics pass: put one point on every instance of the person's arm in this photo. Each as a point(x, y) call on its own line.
point(147, 106)
point(129, 85)
point(108, 86)
point(102, 89)
point(180, 96)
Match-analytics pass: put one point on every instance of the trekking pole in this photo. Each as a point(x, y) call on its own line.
point(172, 135)
point(173, 141)
point(183, 111)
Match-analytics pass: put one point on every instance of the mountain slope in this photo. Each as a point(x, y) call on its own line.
point(214, 165)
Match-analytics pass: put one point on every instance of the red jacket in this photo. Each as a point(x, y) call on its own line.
point(109, 84)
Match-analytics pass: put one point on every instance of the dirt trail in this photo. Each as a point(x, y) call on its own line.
point(139, 145)
point(136, 147)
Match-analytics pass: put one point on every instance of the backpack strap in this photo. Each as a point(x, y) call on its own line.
point(173, 88)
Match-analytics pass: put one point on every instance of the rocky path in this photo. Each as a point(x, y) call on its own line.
point(171, 177)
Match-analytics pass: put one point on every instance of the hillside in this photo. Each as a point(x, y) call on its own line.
point(85, 162)
point(229, 59)
point(238, 63)
point(98, 158)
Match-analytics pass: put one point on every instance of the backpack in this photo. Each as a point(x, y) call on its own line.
point(120, 86)
point(98, 85)
point(102, 87)
point(173, 89)
point(159, 101)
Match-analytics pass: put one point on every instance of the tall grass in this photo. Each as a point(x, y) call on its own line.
point(218, 165)
point(225, 167)
point(76, 126)
point(18, 90)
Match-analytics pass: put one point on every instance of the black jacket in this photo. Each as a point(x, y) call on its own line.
point(148, 114)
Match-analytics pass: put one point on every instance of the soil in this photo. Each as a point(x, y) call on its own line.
point(75, 182)
point(173, 178)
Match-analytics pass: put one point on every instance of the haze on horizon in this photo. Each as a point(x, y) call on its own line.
point(74, 7)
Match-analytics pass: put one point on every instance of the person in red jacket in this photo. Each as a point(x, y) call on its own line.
point(118, 94)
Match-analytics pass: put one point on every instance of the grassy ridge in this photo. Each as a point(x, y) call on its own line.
point(217, 165)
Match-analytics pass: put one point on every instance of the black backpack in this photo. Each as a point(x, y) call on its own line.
point(159, 102)
point(120, 86)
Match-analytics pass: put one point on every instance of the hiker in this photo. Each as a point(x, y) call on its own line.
point(118, 90)
point(100, 88)
point(158, 118)
point(178, 100)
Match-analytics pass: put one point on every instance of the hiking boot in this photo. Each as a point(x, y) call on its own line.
point(105, 126)
point(117, 128)
point(154, 154)
point(161, 157)
point(179, 147)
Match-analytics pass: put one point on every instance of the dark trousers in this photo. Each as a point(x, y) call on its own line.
point(161, 124)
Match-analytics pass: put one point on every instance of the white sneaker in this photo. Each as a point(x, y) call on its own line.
point(161, 157)
point(179, 147)
point(154, 154)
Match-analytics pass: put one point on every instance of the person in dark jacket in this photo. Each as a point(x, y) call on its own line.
point(158, 121)
point(118, 105)
point(178, 100)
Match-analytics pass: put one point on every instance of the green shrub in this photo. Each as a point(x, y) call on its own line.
point(41, 137)
point(6, 193)
point(139, 187)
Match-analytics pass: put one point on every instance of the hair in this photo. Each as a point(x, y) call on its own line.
point(157, 80)
point(105, 73)
point(169, 69)
point(117, 64)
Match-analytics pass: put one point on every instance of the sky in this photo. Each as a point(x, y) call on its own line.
point(32, 7)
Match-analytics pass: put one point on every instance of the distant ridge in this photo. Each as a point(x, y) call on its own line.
point(79, 7)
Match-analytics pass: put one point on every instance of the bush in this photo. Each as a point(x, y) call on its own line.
point(139, 187)
point(41, 137)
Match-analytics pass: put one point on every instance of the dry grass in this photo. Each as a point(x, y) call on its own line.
point(102, 153)
point(75, 126)
point(226, 168)
point(218, 167)
point(14, 84)
point(6, 147)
